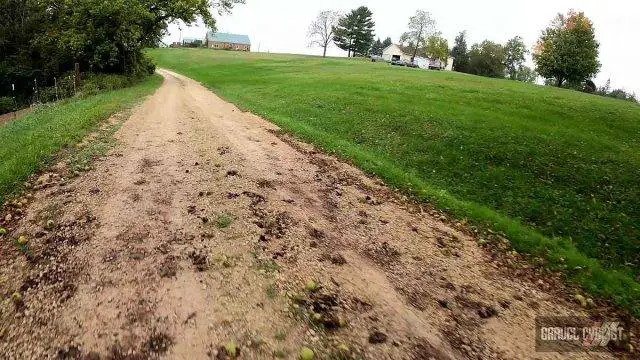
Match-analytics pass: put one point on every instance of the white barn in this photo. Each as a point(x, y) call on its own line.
point(393, 52)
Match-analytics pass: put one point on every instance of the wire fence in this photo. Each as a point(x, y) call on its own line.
point(69, 85)
point(64, 87)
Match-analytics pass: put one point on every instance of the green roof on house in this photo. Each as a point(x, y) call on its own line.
point(228, 38)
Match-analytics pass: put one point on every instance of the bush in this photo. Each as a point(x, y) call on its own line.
point(94, 83)
point(143, 66)
point(6, 104)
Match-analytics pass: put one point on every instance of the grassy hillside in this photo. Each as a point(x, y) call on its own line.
point(27, 143)
point(558, 171)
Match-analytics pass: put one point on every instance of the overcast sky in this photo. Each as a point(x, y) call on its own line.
point(281, 25)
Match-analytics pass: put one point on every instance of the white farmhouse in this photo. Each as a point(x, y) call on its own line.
point(395, 52)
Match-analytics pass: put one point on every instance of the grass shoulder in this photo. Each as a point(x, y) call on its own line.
point(31, 142)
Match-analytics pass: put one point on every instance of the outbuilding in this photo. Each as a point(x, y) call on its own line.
point(226, 41)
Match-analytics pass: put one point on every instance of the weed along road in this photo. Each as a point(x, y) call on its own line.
point(208, 233)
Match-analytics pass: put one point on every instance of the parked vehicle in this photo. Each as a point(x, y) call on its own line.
point(404, 63)
point(375, 58)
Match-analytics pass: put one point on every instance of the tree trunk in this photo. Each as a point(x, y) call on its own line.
point(349, 53)
point(559, 81)
point(324, 53)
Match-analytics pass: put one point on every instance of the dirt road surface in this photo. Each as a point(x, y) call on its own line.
point(206, 226)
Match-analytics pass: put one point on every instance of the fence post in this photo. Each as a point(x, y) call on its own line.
point(76, 74)
point(55, 84)
point(15, 104)
point(36, 97)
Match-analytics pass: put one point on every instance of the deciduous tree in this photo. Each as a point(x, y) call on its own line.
point(515, 51)
point(487, 59)
point(321, 29)
point(44, 38)
point(526, 74)
point(421, 26)
point(437, 48)
point(567, 50)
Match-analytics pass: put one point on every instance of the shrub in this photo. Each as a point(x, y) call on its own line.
point(6, 104)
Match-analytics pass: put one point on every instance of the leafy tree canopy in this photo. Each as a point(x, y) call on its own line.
point(515, 51)
point(44, 38)
point(567, 50)
point(487, 59)
point(421, 26)
point(437, 47)
point(526, 74)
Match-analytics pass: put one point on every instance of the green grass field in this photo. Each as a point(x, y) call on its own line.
point(30, 142)
point(558, 171)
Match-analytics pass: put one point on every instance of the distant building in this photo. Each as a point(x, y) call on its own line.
point(191, 42)
point(225, 41)
point(395, 52)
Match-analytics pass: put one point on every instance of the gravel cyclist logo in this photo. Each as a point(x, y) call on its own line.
point(571, 334)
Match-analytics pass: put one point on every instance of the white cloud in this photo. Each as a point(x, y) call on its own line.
point(281, 25)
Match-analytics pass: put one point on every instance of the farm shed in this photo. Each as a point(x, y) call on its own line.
point(226, 41)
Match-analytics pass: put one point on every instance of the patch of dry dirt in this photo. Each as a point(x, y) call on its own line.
point(206, 225)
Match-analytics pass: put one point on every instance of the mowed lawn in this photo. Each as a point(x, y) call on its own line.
point(558, 171)
point(28, 143)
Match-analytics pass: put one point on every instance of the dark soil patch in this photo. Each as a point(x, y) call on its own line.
point(275, 225)
point(383, 254)
point(146, 164)
point(317, 234)
point(137, 254)
point(199, 260)
point(266, 184)
point(118, 352)
point(158, 343)
point(222, 150)
point(323, 309)
point(425, 351)
point(377, 337)
point(169, 267)
point(335, 258)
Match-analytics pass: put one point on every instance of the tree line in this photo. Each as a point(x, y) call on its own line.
point(492, 59)
point(41, 40)
point(353, 33)
point(565, 55)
